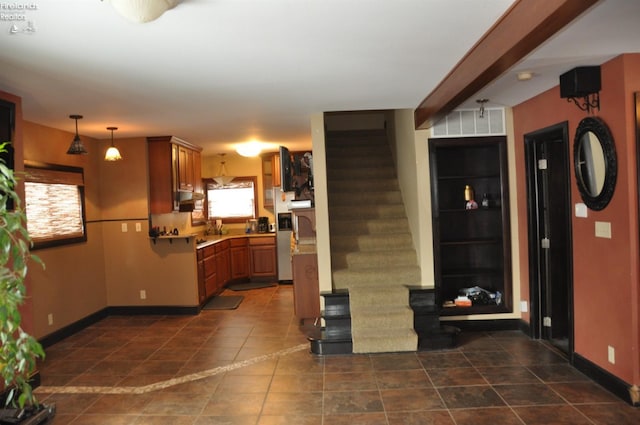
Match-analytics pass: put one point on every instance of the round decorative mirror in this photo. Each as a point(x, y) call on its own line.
point(595, 162)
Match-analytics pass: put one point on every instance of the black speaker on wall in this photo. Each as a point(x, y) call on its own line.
point(580, 82)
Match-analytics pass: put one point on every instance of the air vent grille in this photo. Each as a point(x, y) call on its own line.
point(467, 122)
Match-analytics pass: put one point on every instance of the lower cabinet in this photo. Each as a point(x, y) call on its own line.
point(234, 259)
point(306, 293)
point(263, 257)
point(223, 265)
point(210, 285)
point(202, 291)
point(240, 259)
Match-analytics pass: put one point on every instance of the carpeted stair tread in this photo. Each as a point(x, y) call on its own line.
point(346, 279)
point(372, 226)
point(360, 173)
point(361, 297)
point(375, 318)
point(372, 211)
point(384, 340)
point(373, 259)
point(351, 243)
point(362, 199)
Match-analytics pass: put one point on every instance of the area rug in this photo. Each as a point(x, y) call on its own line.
point(223, 303)
point(250, 285)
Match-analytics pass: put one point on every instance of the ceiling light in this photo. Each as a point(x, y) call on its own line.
point(140, 11)
point(113, 154)
point(524, 75)
point(481, 111)
point(249, 149)
point(76, 148)
point(222, 179)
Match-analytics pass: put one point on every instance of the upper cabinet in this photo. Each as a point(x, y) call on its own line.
point(270, 177)
point(470, 212)
point(174, 174)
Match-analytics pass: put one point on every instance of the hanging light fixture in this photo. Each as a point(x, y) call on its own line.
point(222, 179)
point(141, 11)
point(76, 148)
point(481, 111)
point(113, 154)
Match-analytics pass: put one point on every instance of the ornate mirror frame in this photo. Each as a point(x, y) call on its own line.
point(593, 126)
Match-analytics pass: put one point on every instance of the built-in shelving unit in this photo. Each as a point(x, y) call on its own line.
point(471, 245)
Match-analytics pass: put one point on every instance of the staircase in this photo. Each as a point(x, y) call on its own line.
point(372, 252)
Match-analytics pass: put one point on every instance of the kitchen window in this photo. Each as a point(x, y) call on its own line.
point(234, 202)
point(54, 204)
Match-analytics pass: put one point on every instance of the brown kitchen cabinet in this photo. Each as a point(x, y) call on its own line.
point(306, 292)
point(174, 166)
point(209, 271)
point(270, 177)
point(263, 260)
point(202, 291)
point(239, 250)
point(223, 264)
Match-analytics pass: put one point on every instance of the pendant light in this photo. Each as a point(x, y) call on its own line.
point(76, 148)
point(141, 11)
point(222, 179)
point(113, 154)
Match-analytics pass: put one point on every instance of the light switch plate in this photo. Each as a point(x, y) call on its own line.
point(581, 209)
point(603, 229)
point(524, 307)
point(124, 227)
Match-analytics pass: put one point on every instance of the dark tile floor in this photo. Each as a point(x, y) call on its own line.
point(252, 366)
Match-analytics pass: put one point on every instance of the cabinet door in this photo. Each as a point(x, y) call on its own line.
point(222, 268)
point(306, 292)
point(186, 175)
point(275, 170)
point(202, 289)
point(161, 177)
point(210, 276)
point(240, 262)
point(263, 261)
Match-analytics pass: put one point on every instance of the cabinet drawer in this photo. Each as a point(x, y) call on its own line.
point(238, 242)
point(207, 251)
point(221, 246)
point(266, 240)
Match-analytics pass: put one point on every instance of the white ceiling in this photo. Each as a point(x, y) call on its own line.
point(220, 72)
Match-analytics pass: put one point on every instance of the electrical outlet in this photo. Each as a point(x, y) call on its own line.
point(524, 307)
point(124, 227)
point(143, 294)
point(603, 229)
point(611, 354)
point(138, 227)
point(50, 319)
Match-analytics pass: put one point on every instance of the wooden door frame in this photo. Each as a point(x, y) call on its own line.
point(535, 323)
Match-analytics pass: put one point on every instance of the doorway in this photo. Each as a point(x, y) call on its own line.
point(549, 230)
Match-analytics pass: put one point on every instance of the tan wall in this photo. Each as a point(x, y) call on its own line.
point(72, 285)
point(113, 266)
point(412, 163)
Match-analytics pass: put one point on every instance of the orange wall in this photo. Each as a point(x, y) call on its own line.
point(605, 271)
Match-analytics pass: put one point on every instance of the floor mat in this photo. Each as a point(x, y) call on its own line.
point(223, 303)
point(250, 285)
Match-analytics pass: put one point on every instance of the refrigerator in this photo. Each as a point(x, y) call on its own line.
point(284, 227)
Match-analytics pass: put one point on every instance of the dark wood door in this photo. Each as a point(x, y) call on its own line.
point(549, 223)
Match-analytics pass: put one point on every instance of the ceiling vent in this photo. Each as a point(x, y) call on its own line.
point(466, 122)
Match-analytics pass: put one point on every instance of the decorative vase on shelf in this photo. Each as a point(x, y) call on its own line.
point(470, 203)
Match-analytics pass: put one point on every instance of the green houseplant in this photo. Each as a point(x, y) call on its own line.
point(19, 351)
